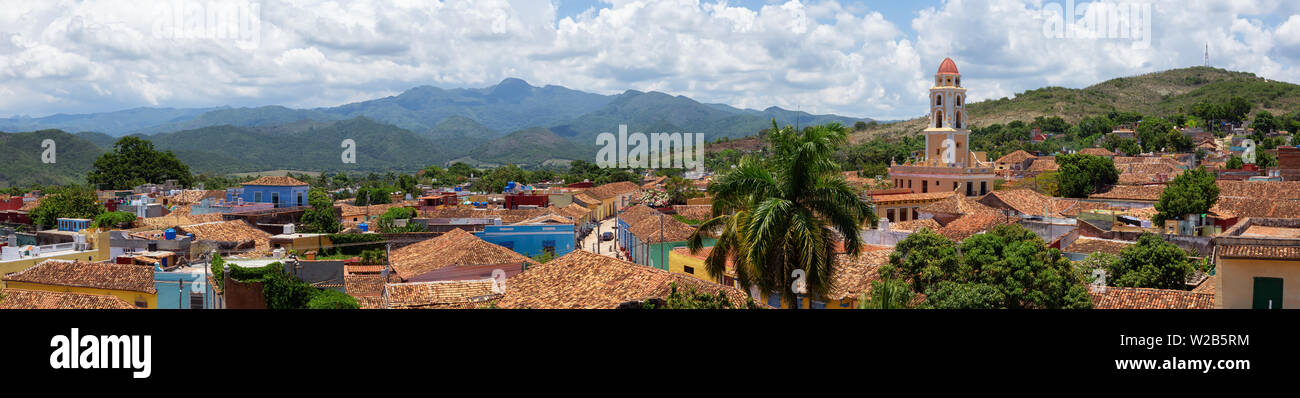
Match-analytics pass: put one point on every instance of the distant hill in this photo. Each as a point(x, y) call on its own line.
point(22, 166)
point(531, 147)
point(112, 123)
point(1162, 94)
point(459, 134)
point(102, 140)
point(228, 149)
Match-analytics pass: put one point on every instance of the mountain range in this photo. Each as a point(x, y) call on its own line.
point(510, 122)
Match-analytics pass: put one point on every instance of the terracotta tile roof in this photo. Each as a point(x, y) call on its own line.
point(1028, 202)
point(1130, 298)
point(1251, 207)
point(585, 197)
point(582, 279)
point(1258, 252)
point(915, 225)
point(192, 196)
point(1207, 285)
point(109, 276)
point(176, 219)
point(852, 276)
point(1146, 193)
point(363, 285)
point(974, 223)
point(1096, 152)
point(613, 189)
point(695, 212)
point(574, 211)
point(1091, 245)
point(633, 215)
point(1072, 208)
point(229, 231)
point(1044, 163)
point(21, 299)
point(440, 294)
point(651, 230)
point(1014, 157)
point(276, 181)
point(955, 204)
point(452, 248)
point(1289, 190)
point(1135, 173)
point(911, 197)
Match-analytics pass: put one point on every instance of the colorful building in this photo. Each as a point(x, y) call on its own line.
point(948, 164)
point(1257, 264)
point(93, 247)
point(280, 191)
point(531, 239)
point(131, 283)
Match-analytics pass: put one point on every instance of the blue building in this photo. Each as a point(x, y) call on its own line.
point(182, 290)
point(280, 191)
point(532, 239)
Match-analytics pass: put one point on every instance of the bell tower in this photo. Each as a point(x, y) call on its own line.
point(947, 138)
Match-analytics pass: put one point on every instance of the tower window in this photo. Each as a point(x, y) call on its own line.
point(958, 124)
point(938, 100)
point(938, 119)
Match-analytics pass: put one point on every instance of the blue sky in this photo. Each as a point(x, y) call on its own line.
point(857, 58)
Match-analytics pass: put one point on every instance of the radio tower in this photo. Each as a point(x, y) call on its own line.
point(1206, 61)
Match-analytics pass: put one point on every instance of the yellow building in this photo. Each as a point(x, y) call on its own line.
point(1257, 264)
point(131, 283)
point(26, 257)
point(948, 164)
point(612, 197)
point(681, 261)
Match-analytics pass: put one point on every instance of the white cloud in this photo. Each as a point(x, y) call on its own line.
point(819, 56)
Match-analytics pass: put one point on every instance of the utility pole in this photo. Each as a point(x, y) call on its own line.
point(663, 256)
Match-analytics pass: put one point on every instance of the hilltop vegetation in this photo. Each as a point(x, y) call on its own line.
point(22, 165)
point(1163, 94)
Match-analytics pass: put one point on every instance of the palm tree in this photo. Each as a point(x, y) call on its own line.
point(785, 213)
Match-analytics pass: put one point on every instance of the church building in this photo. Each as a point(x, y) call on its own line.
point(948, 164)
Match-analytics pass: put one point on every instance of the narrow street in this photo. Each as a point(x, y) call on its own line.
point(607, 248)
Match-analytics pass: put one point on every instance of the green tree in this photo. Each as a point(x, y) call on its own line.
point(1151, 263)
point(1082, 175)
point(1234, 163)
point(1264, 123)
point(1154, 133)
point(320, 218)
point(1192, 192)
point(114, 219)
point(887, 294)
point(785, 213)
point(133, 160)
point(1006, 267)
point(74, 201)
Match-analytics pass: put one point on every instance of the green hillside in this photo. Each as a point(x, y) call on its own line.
point(531, 147)
point(74, 157)
point(1161, 94)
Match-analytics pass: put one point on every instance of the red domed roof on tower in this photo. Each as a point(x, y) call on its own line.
point(948, 67)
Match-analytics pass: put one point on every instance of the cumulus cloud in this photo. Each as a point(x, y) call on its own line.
point(819, 56)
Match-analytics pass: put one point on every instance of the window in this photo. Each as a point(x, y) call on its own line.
point(774, 300)
point(818, 305)
point(141, 303)
point(958, 123)
point(938, 100)
point(689, 270)
point(889, 214)
point(257, 196)
point(984, 187)
point(909, 184)
point(728, 281)
point(902, 214)
point(196, 301)
point(275, 198)
point(938, 119)
point(299, 198)
point(846, 303)
point(925, 186)
point(970, 189)
point(548, 246)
